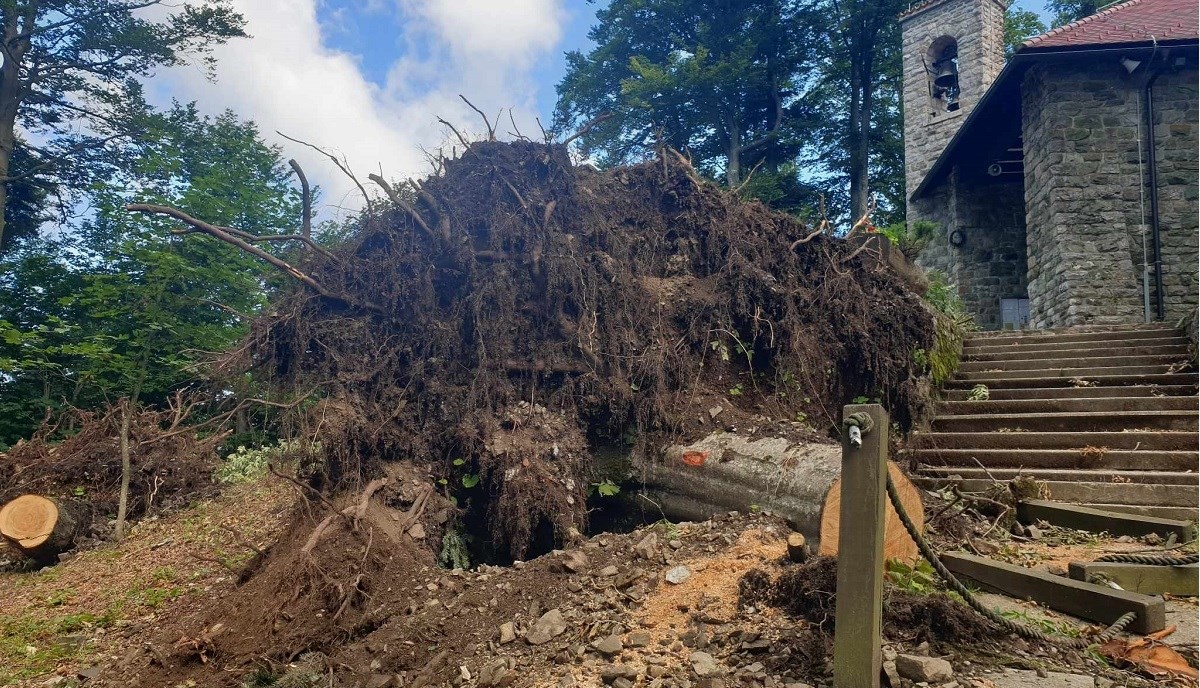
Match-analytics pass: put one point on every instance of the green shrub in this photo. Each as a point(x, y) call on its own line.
point(244, 465)
point(910, 240)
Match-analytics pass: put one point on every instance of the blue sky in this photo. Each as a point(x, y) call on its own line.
point(368, 79)
point(376, 35)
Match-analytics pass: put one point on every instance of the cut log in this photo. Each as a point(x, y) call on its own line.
point(40, 527)
point(729, 471)
point(897, 544)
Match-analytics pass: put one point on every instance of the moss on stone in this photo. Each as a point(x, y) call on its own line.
point(949, 334)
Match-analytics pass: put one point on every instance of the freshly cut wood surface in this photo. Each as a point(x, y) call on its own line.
point(40, 527)
point(896, 542)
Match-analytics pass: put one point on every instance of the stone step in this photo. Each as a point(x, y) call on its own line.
point(1092, 493)
point(1065, 475)
point(1133, 440)
point(1069, 405)
point(992, 348)
point(1101, 380)
point(1115, 359)
point(1179, 513)
point(1083, 373)
point(1102, 458)
point(1072, 392)
point(1063, 336)
point(1100, 421)
point(1170, 353)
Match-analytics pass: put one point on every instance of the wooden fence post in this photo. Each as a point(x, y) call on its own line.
point(857, 659)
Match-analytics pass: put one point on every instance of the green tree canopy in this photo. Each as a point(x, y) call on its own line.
point(1019, 26)
point(805, 93)
point(69, 65)
point(712, 77)
point(125, 305)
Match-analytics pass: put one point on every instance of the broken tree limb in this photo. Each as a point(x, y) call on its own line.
point(40, 527)
point(462, 139)
point(306, 198)
point(224, 235)
point(254, 238)
point(340, 164)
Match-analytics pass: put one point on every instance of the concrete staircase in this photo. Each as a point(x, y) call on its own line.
point(1107, 416)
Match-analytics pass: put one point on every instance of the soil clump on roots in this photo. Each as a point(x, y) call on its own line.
point(505, 318)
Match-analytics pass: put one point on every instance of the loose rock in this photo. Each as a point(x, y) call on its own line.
point(547, 627)
point(678, 575)
point(927, 669)
point(608, 646)
point(575, 562)
point(704, 664)
point(648, 546)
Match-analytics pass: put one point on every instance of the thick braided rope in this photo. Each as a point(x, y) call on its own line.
point(1151, 559)
point(1009, 625)
point(862, 420)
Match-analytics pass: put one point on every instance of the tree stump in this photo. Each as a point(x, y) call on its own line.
point(897, 544)
point(40, 527)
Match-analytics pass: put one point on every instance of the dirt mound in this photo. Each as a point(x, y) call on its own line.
point(337, 572)
point(172, 463)
point(370, 608)
point(809, 592)
point(611, 308)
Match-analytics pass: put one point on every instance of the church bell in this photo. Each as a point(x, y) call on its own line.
point(945, 74)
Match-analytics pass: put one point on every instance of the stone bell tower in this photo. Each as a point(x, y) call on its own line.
point(953, 50)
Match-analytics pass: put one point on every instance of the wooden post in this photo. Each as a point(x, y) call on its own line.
point(857, 658)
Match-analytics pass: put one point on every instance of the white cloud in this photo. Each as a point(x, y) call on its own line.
point(511, 29)
point(285, 78)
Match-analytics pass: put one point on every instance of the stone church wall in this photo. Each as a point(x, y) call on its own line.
point(990, 263)
point(1083, 193)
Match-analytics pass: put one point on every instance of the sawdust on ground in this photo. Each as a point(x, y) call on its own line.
point(715, 579)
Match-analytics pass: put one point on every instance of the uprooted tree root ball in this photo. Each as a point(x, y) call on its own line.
point(504, 316)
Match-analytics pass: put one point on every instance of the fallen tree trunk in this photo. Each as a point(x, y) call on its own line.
point(40, 527)
point(799, 482)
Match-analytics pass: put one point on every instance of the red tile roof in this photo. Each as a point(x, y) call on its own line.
point(1136, 21)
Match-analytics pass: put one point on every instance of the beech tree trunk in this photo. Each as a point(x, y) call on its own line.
point(801, 483)
point(40, 527)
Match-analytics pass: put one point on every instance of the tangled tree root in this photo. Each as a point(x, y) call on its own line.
point(504, 316)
